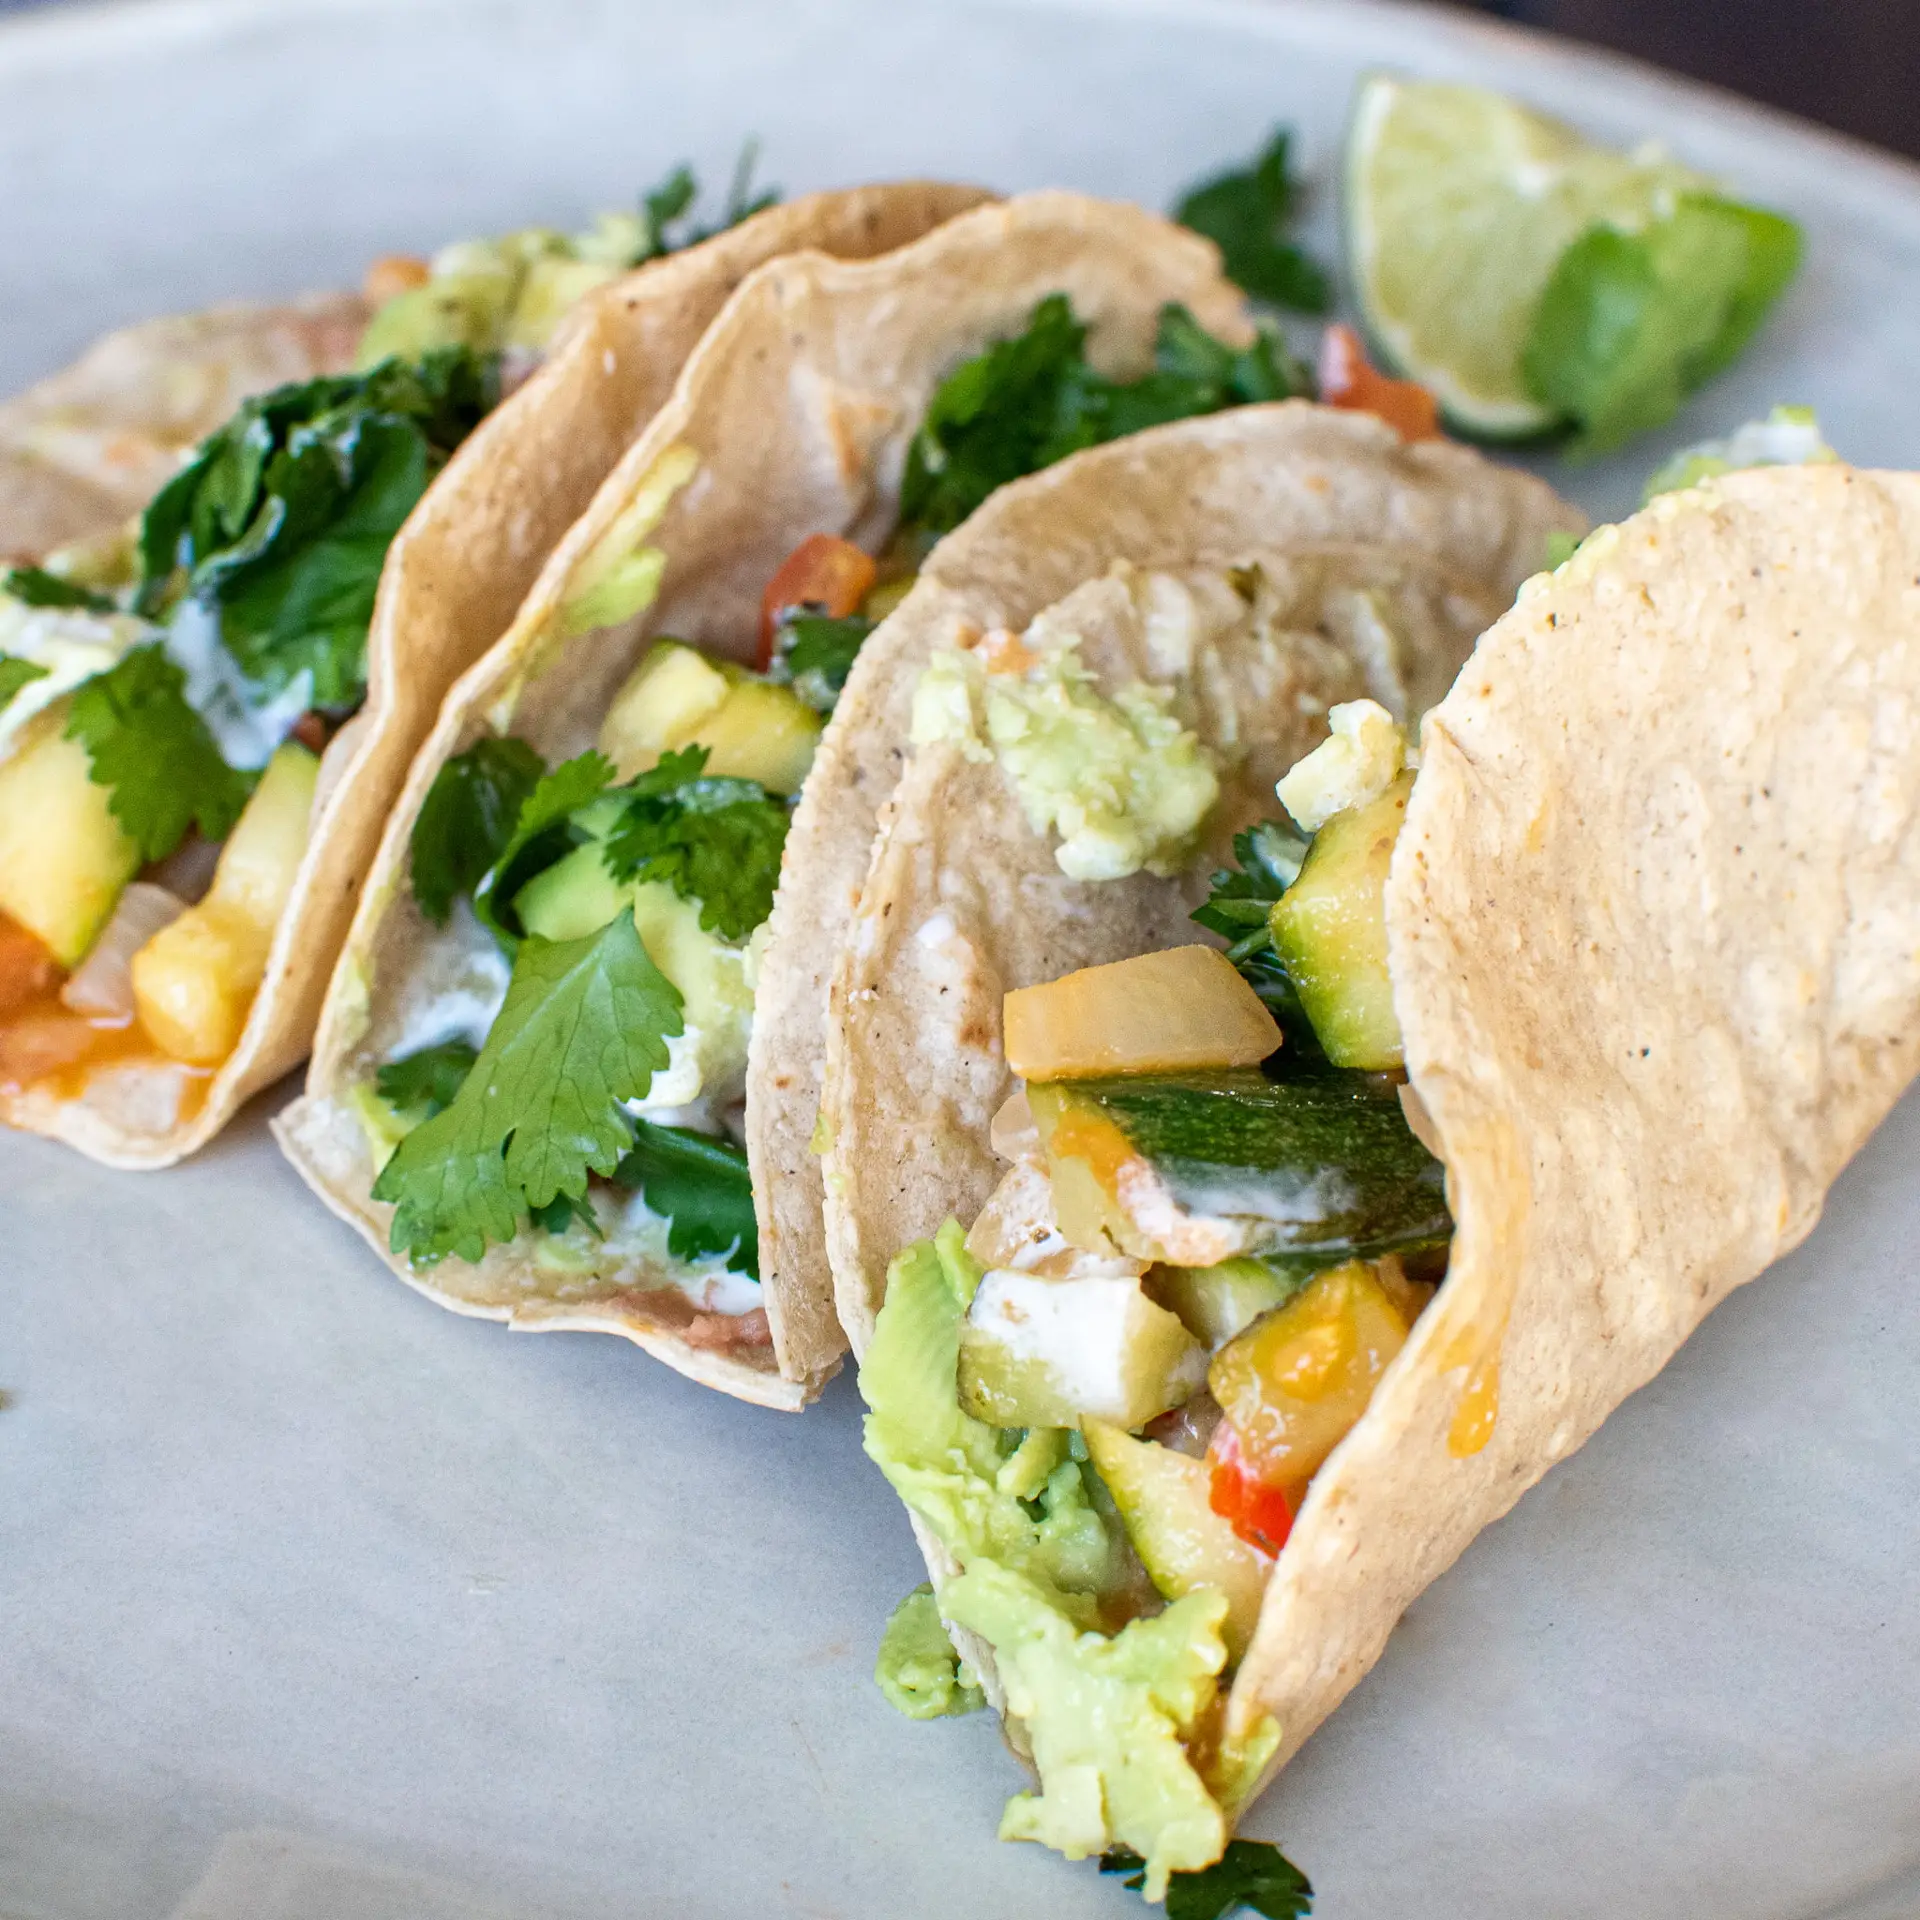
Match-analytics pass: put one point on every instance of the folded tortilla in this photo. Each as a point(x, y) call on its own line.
point(85, 449)
point(793, 417)
point(1654, 931)
point(913, 1041)
point(453, 579)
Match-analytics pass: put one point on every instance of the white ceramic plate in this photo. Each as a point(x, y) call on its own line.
point(317, 1603)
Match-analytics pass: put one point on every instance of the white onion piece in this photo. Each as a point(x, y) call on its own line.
point(188, 870)
point(1013, 1134)
point(102, 989)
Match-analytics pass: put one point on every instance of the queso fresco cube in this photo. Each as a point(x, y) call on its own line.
point(1042, 1352)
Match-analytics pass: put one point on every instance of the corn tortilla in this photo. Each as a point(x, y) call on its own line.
point(453, 578)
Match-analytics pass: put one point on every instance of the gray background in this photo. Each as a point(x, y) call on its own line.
point(316, 1601)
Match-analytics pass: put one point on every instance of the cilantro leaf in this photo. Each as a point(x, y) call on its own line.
point(282, 521)
point(814, 652)
point(700, 1185)
point(1031, 400)
point(667, 208)
point(711, 839)
point(427, 1082)
point(1237, 908)
point(584, 1027)
point(35, 587)
point(1252, 1876)
point(665, 204)
point(543, 833)
point(561, 1212)
point(1630, 324)
point(15, 674)
point(155, 753)
point(1244, 213)
point(467, 819)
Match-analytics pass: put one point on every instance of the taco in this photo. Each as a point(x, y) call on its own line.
point(836, 419)
point(202, 727)
point(1530, 1043)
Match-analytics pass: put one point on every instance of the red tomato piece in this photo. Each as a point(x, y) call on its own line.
point(27, 970)
point(1258, 1511)
point(1348, 379)
point(823, 572)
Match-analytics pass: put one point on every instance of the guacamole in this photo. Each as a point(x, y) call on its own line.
point(1116, 1712)
point(1117, 776)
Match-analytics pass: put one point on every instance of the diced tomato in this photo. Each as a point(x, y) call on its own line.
point(1348, 379)
point(27, 970)
point(1258, 1511)
point(824, 573)
point(393, 274)
point(42, 1042)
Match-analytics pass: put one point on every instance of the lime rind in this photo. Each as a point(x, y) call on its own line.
point(1459, 203)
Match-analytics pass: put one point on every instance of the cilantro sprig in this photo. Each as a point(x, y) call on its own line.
point(421, 1085)
point(1033, 399)
point(702, 1187)
point(155, 753)
point(584, 1028)
point(281, 523)
point(1252, 1876)
point(667, 208)
point(814, 652)
point(1631, 323)
point(713, 839)
point(467, 819)
point(1246, 212)
point(15, 674)
point(36, 587)
point(544, 832)
point(1237, 908)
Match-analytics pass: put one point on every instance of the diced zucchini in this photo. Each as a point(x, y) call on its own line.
point(1330, 929)
point(1184, 1545)
point(1295, 1382)
point(1041, 1352)
point(763, 733)
point(677, 697)
point(64, 858)
point(1310, 1170)
point(1215, 1303)
point(195, 980)
point(574, 897)
point(666, 696)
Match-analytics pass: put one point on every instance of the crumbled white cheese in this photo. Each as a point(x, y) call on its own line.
point(1357, 764)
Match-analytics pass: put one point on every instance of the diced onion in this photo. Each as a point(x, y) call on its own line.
point(1169, 1012)
point(102, 988)
point(1013, 1134)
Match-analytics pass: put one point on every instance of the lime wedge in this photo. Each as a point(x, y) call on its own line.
point(1458, 204)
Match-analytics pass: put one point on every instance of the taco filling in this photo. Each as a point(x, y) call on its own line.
point(579, 1081)
point(167, 695)
point(1108, 1397)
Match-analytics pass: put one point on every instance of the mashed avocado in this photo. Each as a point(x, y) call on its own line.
point(1787, 437)
point(1116, 776)
point(509, 292)
point(1108, 1713)
point(918, 1670)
